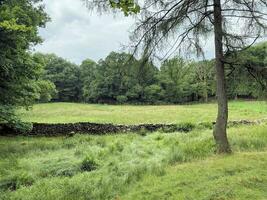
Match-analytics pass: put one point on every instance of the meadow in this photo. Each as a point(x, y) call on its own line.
point(135, 166)
point(179, 161)
point(138, 114)
point(140, 165)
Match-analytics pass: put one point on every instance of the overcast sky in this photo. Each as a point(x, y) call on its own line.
point(76, 34)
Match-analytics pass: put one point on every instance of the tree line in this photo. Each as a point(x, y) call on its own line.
point(121, 78)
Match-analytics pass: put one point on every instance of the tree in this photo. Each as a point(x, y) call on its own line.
point(47, 90)
point(111, 78)
point(88, 69)
point(153, 93)
point(19, 23)
point(64, 74)
point(248, 72)
point(188, 22)
point(204, 78)
point(176, 78)
point(117, 79)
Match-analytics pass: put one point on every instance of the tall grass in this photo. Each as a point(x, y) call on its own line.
point(106, 167)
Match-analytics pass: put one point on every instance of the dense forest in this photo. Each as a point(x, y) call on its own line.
point(119, 78)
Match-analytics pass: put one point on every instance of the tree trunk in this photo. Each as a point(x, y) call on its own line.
point(219, 132)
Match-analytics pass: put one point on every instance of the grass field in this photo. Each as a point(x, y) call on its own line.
point(129, 114)
point(154, 166)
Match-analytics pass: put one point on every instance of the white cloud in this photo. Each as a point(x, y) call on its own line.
point(76, 34)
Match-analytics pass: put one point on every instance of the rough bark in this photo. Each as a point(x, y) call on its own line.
point(219, 132)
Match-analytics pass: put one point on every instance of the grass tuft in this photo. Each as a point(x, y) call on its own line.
point(89, 164)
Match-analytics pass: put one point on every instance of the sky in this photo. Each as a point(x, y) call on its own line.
point(76, 34)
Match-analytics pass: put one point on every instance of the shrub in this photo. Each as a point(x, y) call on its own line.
point(23, 127)
point(9, 117)
point(89, 164)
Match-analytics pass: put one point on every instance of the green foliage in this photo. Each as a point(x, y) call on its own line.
point(8, 116)
point(63, 74)
point(121, 99)
point(126, 6)
point(88, 69)
point(20, 126)
point(152, 93)
point(248, 73)
point(123, 79)
point(175, 78)
point(89, 164)
point(47, 90)
point(117, 79)
point(19, 23)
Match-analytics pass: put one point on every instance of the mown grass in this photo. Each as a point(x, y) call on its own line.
point(135, 166)
point(130, 114)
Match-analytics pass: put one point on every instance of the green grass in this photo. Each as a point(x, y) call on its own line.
point(238, 177)
point(130, 114)
point(133, 166)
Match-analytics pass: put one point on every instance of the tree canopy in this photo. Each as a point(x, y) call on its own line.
point(115, 80)
point(19, 23)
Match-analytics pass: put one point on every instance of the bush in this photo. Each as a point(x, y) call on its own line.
point(89, 164)
point(9, 117)
point(23, 127)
